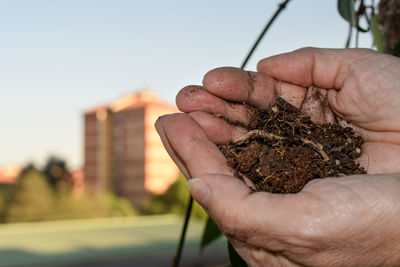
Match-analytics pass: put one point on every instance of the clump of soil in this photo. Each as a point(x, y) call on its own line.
point(284, 149)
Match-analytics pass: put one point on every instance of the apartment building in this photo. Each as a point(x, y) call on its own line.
point(123, 152)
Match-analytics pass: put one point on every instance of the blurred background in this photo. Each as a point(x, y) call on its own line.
point(84, 178)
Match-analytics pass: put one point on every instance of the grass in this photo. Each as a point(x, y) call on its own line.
point(55, 243)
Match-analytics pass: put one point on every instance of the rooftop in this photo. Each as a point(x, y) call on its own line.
point(9, 173)
point(131, 101)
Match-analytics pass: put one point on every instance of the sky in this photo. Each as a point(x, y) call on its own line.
point(60, 58)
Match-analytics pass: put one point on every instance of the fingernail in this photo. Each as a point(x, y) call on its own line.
point(199, 191)
point(157, 123)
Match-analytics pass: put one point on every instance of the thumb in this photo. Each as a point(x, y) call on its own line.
point(208, 193)
point(221, 197)
point(252, 217)
point(325, 68)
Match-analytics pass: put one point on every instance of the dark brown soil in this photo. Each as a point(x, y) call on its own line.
point(284, 149)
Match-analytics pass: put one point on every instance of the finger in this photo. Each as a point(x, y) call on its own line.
point(379, 158)
point(218, 130)
point(255, 88)
point(374, 136)
point(195, 98)
point(159, 125)
point(191, 144)
point(326, 68)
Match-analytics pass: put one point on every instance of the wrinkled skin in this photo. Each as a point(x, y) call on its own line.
point(350, 221)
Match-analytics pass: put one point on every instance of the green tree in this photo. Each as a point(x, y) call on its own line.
point(46, 195)
point(32, 198)
point(58, 175)
point(174, 200)
point(2, 202)
point(118, 206)
point(5, 190)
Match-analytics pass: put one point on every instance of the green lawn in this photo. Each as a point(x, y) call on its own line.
point(84, 241)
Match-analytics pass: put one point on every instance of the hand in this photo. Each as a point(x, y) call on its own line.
point(334, 221)
point(367, 94)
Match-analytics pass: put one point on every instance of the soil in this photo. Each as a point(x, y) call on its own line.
point(284, 149)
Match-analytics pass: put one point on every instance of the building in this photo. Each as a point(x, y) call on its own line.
point(9, 174)
point(78, 178)
point(123, 152)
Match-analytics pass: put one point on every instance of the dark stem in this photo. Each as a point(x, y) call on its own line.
point(357, 32)
point(359, 13)
point(357, 29)
point(272, 19)
point(179, 249)
point(349, 35)
point(351, 26)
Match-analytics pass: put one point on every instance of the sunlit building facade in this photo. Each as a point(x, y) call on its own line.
point(123, 152)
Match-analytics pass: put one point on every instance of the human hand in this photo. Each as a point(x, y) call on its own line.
point(352, 220)
point(367, 94)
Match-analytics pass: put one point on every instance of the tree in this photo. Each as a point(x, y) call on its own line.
point(1, 204)
point(58, 175)
point(32, 198)
point(174, 200)
point(389, 19)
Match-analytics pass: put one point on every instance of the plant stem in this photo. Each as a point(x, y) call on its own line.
point(357, 29)
point(272, 19)
point(179, 249)
point(349, 35)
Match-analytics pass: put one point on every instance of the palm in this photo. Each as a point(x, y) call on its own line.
point(372, 105)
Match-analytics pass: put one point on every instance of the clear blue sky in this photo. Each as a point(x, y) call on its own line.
point(59, 58)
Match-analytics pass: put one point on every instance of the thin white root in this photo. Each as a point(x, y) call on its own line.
point(263, 134)
point(257, 134)
point(316, 146)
